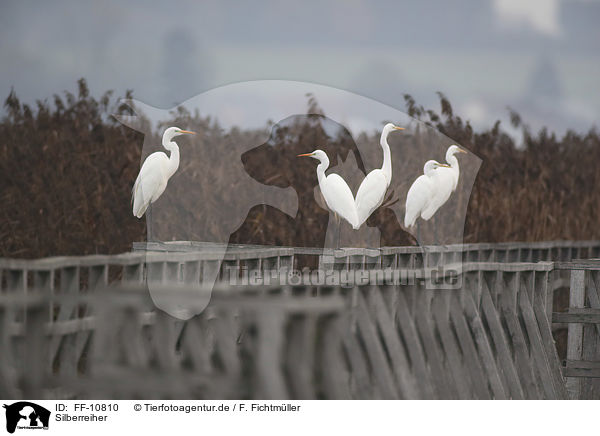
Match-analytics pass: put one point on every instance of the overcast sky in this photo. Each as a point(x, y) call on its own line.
point(541, 57)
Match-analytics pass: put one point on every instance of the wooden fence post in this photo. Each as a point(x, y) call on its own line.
point(575, 332)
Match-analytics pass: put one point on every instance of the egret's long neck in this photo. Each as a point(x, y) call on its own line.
point(174, 157)
point(452, 161)
point(387, 157)
point(321, 168)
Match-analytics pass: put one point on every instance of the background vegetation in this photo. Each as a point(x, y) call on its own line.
point(67, 167)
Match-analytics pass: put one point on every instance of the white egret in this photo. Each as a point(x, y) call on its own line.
point(335, 190)
point(448, 180)
point(372, 190)
point(422, 192)
point(156, 171)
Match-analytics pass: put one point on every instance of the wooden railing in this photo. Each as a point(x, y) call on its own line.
point(582, 366)
point(396, 257)
point(83, 327)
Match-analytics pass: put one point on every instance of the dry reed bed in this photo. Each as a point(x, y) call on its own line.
point(67, 167)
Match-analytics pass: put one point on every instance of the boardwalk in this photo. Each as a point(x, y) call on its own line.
point(85, 327)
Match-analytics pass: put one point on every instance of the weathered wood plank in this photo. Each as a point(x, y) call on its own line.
point(105, 351)
point(226, 337)
point(542, 360)
point(301, 356)
point(593, 294)
point(409, 388)
point(452, 353)
point(361, 385)
point(549, 347)
point(137, 350)
point(382, 373)
point(164, 339)
point(406, 327)
point(583, 364)
point(589, 372)
point(589, 353)
point(503, 353)
point(484, 348)
point(584, 315)
point(69, 285)
point(584, 264)
point(33, 368)
point(97, 279)
point(582, 368)
point(522, 360)
point(444, 383)
point(198, 344)
point(543, 295)
point(270, 380)
point(582, 373)
point(575, 333)
point(592, 350)
point(16, 285)
point(469, 351)
point(336, 379)
point(9, 361)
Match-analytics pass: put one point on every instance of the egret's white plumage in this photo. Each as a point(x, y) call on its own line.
point(372, 190)
point(155, 173)
point(447, 179)
point(335, 190)
point(422, 192)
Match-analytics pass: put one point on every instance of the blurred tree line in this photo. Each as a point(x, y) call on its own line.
point(67, 168)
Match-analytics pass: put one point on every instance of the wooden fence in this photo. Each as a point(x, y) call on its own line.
point(85, 327)
point(389, 257)
point(582, 366)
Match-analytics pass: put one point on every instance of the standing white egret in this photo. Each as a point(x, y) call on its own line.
point(335, 190)
point(422, 192)
point(155, 173)
point(448, 180)
point(372, 190)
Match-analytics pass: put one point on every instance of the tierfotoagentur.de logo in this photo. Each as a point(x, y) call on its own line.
point(25, 415)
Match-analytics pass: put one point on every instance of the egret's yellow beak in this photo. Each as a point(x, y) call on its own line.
point(398, 128)
point(187, 131)
point(444, 165)
point(305, 154)
point(462, 150)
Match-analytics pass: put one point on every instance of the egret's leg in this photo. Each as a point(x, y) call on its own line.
point(150, 218)
point(418, 232)
point(149, 234)
point(435, 236)
point(339, 228)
